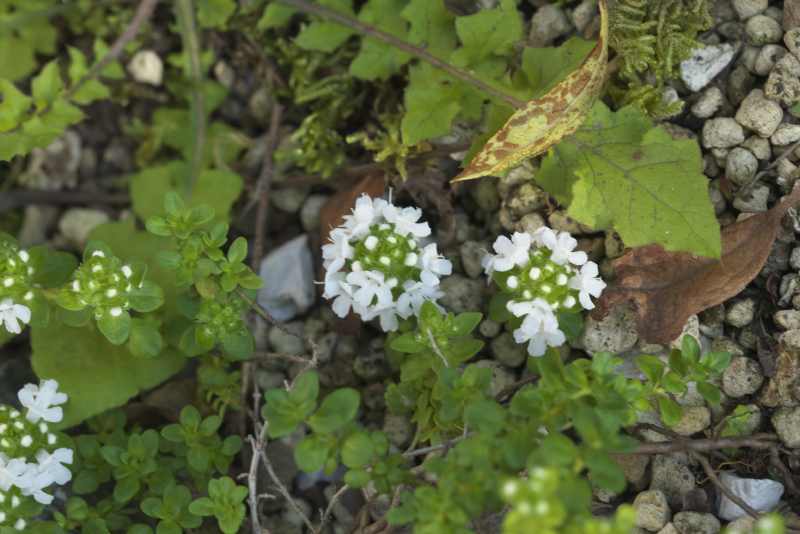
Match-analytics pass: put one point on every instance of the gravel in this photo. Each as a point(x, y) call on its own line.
point(740, 313)
point(652, 510)
point(758, 114)
point(783, 83)
point(762, 30)
point(722, 133)
point(747, 8)
point(742, 377)
point(786, 422)
point(708, 103)
point(672, 476)
point(615, 333)
point(766, 59)
point(705, 63)
point(696, 523)
point(740, 166)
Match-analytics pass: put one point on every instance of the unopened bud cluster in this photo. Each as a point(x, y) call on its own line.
point(102, 283)
point(16, 287)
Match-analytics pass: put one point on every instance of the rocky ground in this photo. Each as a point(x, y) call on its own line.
point(738, 93)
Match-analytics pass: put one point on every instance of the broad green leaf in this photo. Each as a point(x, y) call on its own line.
point(357, 450)
point(407, 343)
point(115, 328)
point(376, 60)
point(651, 366)
point(431, 26)
point(543, 68)
point(645, 185)
point(325, 36)
point(116, 374)
point(91, 89)
point(14, 104)
point(47, 85)
point(18, 59)
point(275, 16)
point(310, 455)
point(216, 188)
point(336, 410)
point(670, 411)
point(145, 339)
point(214, 13)
point(488, 32)
point(432, 101)
point(464, 323)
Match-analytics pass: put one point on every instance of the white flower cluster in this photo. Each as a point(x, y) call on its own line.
point(15, 281)
point(377, 265)
point(542, 273)
point(30, 461)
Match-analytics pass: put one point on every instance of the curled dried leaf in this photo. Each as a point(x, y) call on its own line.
point(546, 120)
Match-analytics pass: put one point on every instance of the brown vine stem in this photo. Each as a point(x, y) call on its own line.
point(416, 51)
point(712, 475)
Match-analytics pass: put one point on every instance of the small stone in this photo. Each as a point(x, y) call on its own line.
point(501, 377)
point(486, 196)
point(752, 201)
point(762, 495)
point(224, 74)
point(287, 338)
point(708, 103)
point(37, 222)
point(289, 199)
point(758, 114)
point(782, 388)
point(371, 365)
point(743, 525)
point(786, 422)
point(673, 477)
point(696, 523)
point(748, 57)
point(615, 333)
point(694, 419)
point(614, 247)
point(791, 338)
point(309, 213)
point(669, 528)
point(507, 351)
point(741, 166)
point(77, 223)
point(489, 328)
point(762, 30)
point(260, 105)
point(742, 377)
point(529, 223)
point(462, 294)
point(705, 63)
point(584, 14)
point(652, 510)
point(634, 466)
point(767, 57)
point(525, 199)
point(785, 134)
point(741, 312)
point(792, 41)
point(399, 430)
point(789, 319)
point(740, 83)
point(288, 276)
point(747, 8)
point(723, 132)
point(783, 83)
point(472, 254)
point(146, 67)
point(56, 166)
point(759, 146)
point(548, 24)
point(560, 221)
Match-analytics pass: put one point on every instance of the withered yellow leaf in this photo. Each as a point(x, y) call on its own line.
point(546, 120)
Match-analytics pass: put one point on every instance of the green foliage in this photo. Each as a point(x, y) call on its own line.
point(659, 192)
point(24, 32)
point(224, 502)
point(651, 38)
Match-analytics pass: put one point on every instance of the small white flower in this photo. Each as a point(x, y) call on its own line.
point(588, 283)
point(387, 316)
point(405, 220)
point(370, 286)
point(338, 251)
point(20, 524)
point(42, 401)
point(14, 473)
point(539, 328)
point(365, 213)
point(414, 296)
point(11, 314)
point(54, 464)
point(562, 246)
point(336, 288)
point(510, 253)
point(433, 265)
point(38, 482)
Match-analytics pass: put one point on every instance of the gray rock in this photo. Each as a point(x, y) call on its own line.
point(37, 222)
point(56, 166)
point(792, 40)
point(762, 30)
point(696, 523)
point(507, 351)
point(288, 276)
point(489, 328)
point(77, 223)
point(762, 495)
point(673, 477)
point(741, 166)
point(767, 57)
point(486, 196)
point(146, 67)
point(584, 14)
point(742, 377)
point(652, 510)
point(759, 114)
point(789, 319)
point(224, 74)
point(615, 333)
point(747, 8)
point(398, 429)
point(791, 338)
point(309, 213)
point(259, 104)
point(694, 419)
point(749, 56)
point(759, 146)
point(723, 132)
point(705, 63)
point(743, 525)
point(502, 378)
point(548, 24)
point(708, 103)
point(783, 83)
point(669, 528)
point(371, 365)
point(289, 199)
point(752, 201)
point(634, 466)
point(529, 223)
point(785, 134)
point(740, 83)
point(786, 422)
point(740, 313)
point(287, 338)
point(462, 294)
point(472, 253)
point(525, 199)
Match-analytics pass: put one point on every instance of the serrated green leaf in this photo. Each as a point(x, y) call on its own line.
point(18, 59)
point(431, 26)
point(14, 104)
point(376, 60)
point(90, 90)
point(619, 171)
point(488, 32)
point(214, 13)
point(432, 101)
point(335, 411)
point(543, 68)
point(47, 85)
point(145, 340)
point(325, 36)
point(275, 16)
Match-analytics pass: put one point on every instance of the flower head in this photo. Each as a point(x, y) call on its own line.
point(13, 473)
point(42, 401)
point(539, 276)
point(11, 314)
point(376, 266)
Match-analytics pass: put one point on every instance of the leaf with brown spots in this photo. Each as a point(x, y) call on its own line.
point(668, 287)
point(546, 120)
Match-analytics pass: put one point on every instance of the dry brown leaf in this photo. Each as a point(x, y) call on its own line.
point(668, 287)
point(546, 120)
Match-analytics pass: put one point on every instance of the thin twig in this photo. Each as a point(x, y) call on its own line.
point(512, 388)
point(773, 164)
point(436, 348)
point(191, 46)
point(282, 489)
point(265, 184)
point(435, 448)
point(252, 485)
point(416, 51)
point(758, 441)
point(329, 510)
point(712, 475)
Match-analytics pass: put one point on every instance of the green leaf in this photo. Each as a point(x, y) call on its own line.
point(310, 455)
point(238, 250)
point(488, 32)
point(13, 106)
point(116, 375)
point(217, 189)
point(357, 478)
point(670, 410)
point(431, 26)
point(604, 472)
point(559, 449)
point(462, 350)
point(147, 297)
point(674, 383)
point(645, 185)
point(18, 58)
point(336, 410)
point(651, 366)
point(571, 324)
point(357, 450)
point(710, 392)
point(47, 85)
point(239, 345)
point(91, 89)
point(465, 323)
point(432, 101)
point(325, 36)
point(145, 339)
point(543, 68)
point(407, 343)
point(52, 268)
point(485, 416)
point(115, 328)
point(376, 60)
point(214, 13)
point(275, 16)
point(690, 348)
point(305, 389)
